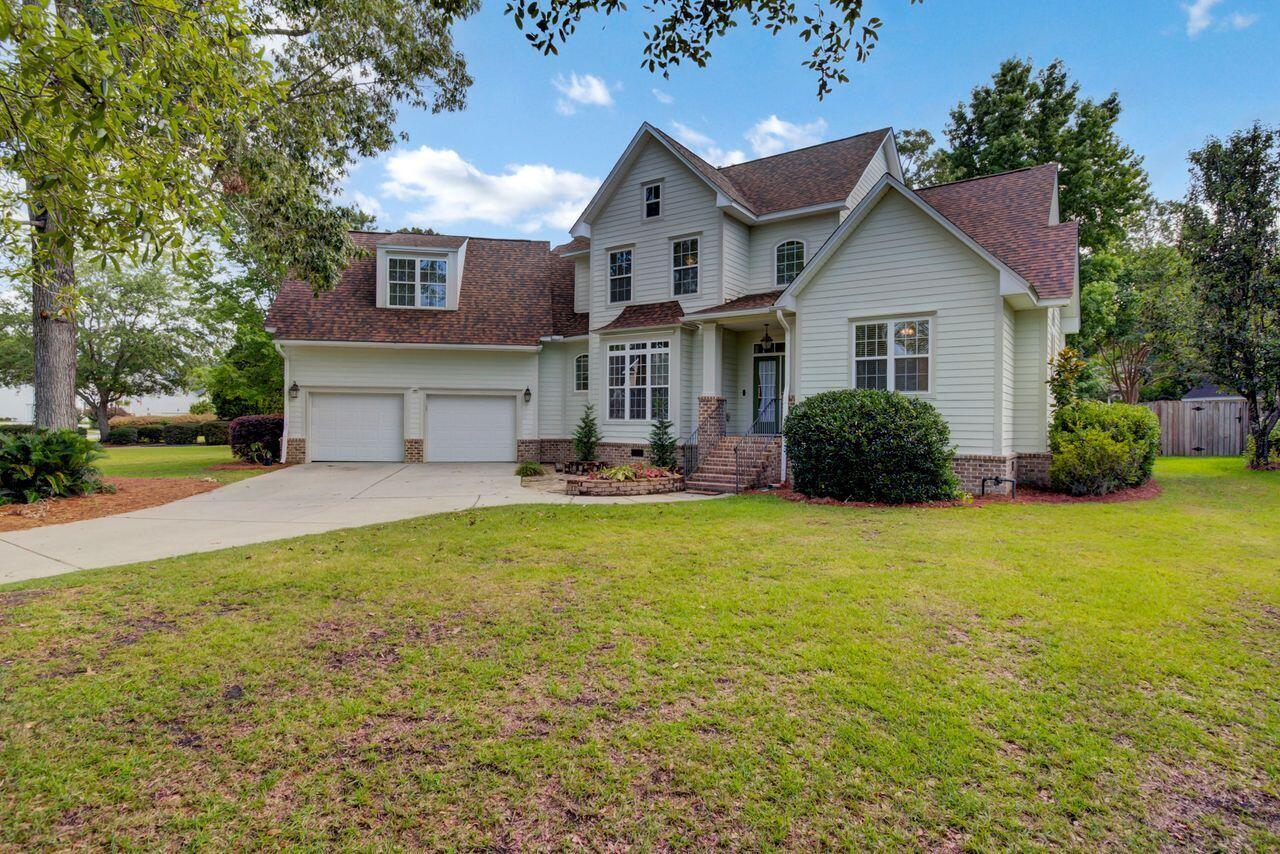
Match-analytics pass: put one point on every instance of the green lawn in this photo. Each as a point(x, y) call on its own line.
point(171, 461)
point(739, 673)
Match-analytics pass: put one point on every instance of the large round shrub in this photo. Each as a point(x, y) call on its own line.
point(867, 445)
point(215, 432)
point(1101, 447)
point(122, 436)
point(256, 438)
point(180, 434)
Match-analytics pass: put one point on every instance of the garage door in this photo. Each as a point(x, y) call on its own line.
point(471, 429)
point(357, 427)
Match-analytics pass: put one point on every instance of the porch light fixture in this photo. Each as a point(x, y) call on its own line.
point(293, 391)
point(528, 395)
point(766, 343)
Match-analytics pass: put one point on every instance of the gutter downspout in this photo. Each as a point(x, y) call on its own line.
point(786, 386)
point(284, 440)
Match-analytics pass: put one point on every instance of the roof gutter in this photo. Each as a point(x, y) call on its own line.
point(509, 348)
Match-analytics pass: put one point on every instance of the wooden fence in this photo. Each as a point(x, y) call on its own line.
point(1201, 428)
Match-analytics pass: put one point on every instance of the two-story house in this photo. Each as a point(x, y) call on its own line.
point(715, 297)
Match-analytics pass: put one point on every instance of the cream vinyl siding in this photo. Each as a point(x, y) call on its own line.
point(730, 364)
point(1031, 370)
point(876, 169)
point(1007, 378)
point(813, 231)
point(378, 368)
point(690, 382)
point(900, 263)
point(582, 284)
point(688, 210)
point(681, 351)
point(559, 406)
point(737, 240)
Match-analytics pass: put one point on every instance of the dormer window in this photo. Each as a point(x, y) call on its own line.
point(652, 201)
point(417, 282)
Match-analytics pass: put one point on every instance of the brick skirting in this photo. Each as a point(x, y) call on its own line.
point(560, 451)
point(413, 450)
point(295, 450)
point(1027, 469)
point(1033, 469)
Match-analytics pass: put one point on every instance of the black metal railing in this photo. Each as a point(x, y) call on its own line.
point(768, 416)
point(689, 453)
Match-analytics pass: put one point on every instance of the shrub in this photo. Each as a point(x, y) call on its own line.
point(618, 473)
point(47, 464)
point(150, 434)
point(180, 434)
point(868, 445)
point(16, 429)
point(587, 435)
point(256, 438)
point(1250, 444)
point(215, 432)
point(122, 436)
point(528, 469)
point(201, 407)
point(662, 445)
point(1083, 464)
point(142, 420)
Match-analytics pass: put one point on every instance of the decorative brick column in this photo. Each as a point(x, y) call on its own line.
point(295, 450)
point(413, 450)
point(711, 423)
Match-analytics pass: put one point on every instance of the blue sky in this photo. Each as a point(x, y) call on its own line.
point(539, 133)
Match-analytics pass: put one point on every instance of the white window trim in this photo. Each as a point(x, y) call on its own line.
point(804, 247)
point(670, 386)
point(671, 256)
point(608, 279)
point(644, 201)
point(417, 258)
point(855, 322)
point(577, 390)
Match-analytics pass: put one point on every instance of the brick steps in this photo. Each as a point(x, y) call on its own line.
point(736, 461)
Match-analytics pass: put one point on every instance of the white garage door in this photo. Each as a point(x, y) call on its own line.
point(357, 427)
point(471, 429)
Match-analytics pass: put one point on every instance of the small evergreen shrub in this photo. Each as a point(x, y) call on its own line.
point(869, 445)
point(47, 464)
point(180, 434)
point(150, 434)
point(587, 435)
point(529, 469)
point(122, 436)
point(215, 433)
point(16, 429)
point(256, 438)
point(662, 445)
point(1101, 447)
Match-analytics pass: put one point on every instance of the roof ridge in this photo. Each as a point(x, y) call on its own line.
point(882, 130)
point(1053, 163)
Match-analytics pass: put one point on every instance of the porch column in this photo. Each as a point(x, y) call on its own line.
point(711, 427)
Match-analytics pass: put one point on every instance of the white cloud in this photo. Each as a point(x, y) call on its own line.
point(527, 196)
point(705, 147)
point(369, 204)
point(774, 135)
point(1199, 16)
point(663, 97)
point(1242, 20)
point(586, 90)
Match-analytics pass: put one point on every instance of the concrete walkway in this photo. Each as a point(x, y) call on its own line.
point(299, 500)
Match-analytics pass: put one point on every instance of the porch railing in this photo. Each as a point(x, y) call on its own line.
point(689, 453)
point(767, 416)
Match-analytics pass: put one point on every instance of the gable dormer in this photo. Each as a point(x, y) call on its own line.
point(421, 277)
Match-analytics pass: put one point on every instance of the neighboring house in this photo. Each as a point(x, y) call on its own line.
point(716, 297)
point(1210, 391)
point(19, 404)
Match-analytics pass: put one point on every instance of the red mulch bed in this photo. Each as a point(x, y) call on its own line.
point(1026, 495)
point(132, 493)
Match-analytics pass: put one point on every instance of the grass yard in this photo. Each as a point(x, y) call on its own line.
point(172, 461)
point(736, 673)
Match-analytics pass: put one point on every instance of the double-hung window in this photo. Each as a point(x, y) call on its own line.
point(652, 201)
point(582, 373)
point(417, 282)
point(893, 355)
point(789, 261)
point(639, 381)
point(620, 276)
point(684, 266)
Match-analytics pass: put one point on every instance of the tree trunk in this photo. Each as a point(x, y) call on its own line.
point(102, 414)
point(53, 326)
point(1260, 426)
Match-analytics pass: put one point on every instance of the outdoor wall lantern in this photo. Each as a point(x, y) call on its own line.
point(528, 395)
point(293, 392)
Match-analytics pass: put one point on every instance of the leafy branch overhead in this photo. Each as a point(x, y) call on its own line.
point(685, 30)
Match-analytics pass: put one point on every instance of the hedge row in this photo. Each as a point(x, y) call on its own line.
point(10, 428)
point(213, 432)
point(159, 420)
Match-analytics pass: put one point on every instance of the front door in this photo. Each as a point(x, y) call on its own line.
point(767, 413)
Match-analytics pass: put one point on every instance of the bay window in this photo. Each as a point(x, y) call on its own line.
point(639, 381)
point(893, 355)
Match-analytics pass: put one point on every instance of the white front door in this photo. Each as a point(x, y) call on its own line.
point(357, 427)
point(471, 428)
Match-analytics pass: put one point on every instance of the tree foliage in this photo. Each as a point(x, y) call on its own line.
point(248, 379)
point(1231, 236)
point(1028, 118)
point(136, 337)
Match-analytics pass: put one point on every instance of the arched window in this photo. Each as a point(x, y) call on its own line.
point(581, 373)
point(790, 257)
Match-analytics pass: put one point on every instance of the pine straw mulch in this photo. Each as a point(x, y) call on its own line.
point(1026, 495)
point(132, 493)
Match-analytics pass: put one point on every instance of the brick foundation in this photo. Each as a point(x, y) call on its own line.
point(295, 450)
point(560, 451)
point(413, 450)
point(1033, 469)
point(1027, 469)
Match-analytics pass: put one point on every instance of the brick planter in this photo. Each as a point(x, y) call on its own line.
point(644, 486)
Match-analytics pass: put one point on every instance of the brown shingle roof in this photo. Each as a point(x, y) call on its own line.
point(578, 244)
point(815, 175)
point(513, 292)
point(1008, 215)
point(761, 300)
point(646, 316)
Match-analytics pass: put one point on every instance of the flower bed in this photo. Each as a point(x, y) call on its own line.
point(576, 485)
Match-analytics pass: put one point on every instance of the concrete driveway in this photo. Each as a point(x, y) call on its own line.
point(299, 500)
